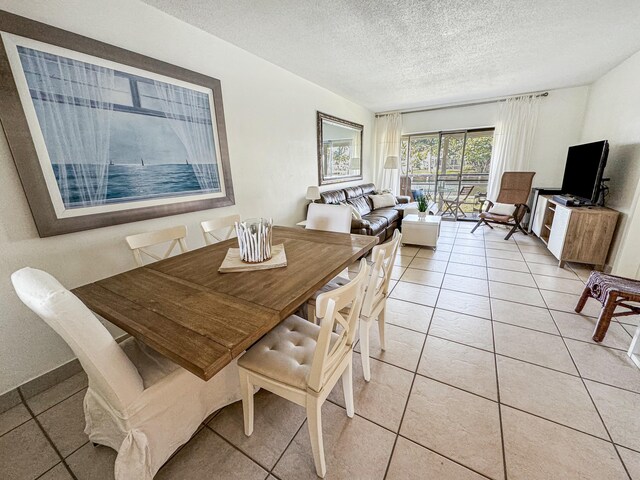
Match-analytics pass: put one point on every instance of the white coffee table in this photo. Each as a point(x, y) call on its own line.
point(421, 231)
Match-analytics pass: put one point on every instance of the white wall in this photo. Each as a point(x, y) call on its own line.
point(559, 126)
point(271, 127)
point(613, 113)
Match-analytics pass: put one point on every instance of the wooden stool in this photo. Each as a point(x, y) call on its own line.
point(611, 291)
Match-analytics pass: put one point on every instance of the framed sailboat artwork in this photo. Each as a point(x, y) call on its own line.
point(102, 136)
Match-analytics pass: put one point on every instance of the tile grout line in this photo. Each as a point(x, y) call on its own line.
point(406, 404)
point(495, 364)
point(588, 392)
point(606, 429)
point(31, 412)
point(46, 435)
point(287, 448)
point(238, 449)
point(473, 393)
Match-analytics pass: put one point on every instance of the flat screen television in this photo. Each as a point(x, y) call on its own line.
point(584, 168)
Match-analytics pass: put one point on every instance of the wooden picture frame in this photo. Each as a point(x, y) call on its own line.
point(18, 128)
point(353, 145)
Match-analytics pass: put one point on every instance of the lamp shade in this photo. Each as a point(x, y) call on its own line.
point(313, 193)
point(392, 162)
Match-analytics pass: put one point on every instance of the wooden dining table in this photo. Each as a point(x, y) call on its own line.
point(202, 319)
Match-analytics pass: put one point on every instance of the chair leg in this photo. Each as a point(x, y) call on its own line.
point(246, 390)
point(364, 348)
point(314, 422)
point(604, 319)
point(634, 343)
point(347, 388)
point(381, 329)
point(477, 225)
point(586, 293)
point(512, 231)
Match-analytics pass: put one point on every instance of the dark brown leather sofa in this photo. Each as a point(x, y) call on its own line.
point(380, 223)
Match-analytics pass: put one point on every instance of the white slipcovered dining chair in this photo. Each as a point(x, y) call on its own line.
point(375, 298)
point(140, 242)
point(330, 218)
point(219, 229)
point(302, 362)
point(138, 402)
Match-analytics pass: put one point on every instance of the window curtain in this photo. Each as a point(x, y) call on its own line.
point(72, 100)
point(513, 139)
point(190, 117)
point(388, 135)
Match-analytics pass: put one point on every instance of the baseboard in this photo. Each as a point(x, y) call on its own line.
point(9, 400)
point(45, 381)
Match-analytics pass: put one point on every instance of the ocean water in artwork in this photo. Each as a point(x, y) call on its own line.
point(130, 182)
point(117, 137)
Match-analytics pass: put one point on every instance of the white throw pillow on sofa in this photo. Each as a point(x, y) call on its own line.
point(383, 201)
point(502, 209)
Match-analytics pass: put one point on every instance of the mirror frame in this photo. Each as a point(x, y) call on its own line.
point(321, 177)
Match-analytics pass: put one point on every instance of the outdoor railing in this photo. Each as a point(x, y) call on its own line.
point(447, 187)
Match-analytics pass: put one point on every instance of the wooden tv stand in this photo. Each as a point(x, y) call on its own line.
point(575, 234)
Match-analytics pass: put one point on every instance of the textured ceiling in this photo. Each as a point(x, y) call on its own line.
point(402, 54)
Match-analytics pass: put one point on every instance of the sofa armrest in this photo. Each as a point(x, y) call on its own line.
point(403, 198)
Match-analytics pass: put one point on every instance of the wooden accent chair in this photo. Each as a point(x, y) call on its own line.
point(515, 188)
point(452, 205)
point(612, 292)
point(219, 229)
point(140, 242)
point(302, 362)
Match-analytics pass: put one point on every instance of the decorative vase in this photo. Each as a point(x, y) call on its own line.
point(254, 239)
point(422, 215)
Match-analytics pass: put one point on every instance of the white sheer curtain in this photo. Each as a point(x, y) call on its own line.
point(388, 135)
point(73, 104)
point(513, 139)
point(190, 114)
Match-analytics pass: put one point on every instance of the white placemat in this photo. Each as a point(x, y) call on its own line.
point(232, 262)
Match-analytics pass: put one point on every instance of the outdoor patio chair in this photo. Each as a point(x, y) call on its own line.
point(515, 188)
point(453, 205)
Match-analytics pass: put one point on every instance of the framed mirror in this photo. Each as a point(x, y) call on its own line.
point(339, 150)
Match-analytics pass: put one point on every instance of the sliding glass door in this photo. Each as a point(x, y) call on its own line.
point(450, 168)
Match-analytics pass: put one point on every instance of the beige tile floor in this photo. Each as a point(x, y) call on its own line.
point(488, 373)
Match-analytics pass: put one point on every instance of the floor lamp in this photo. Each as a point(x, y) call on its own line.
point(391, 163)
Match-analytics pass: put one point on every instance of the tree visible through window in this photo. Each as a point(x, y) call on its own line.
point(440, 164)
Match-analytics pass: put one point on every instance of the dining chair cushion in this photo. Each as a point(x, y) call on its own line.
point(331, 285)
point(285, 353)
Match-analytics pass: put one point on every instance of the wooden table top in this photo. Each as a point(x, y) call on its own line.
point(201, 319)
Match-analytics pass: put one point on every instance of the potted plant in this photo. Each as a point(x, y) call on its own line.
point(423, 205)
